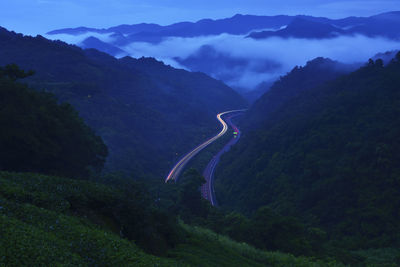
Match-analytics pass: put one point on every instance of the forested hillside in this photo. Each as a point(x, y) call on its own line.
point(288, 87)
point(42, 136)
point(327, 156)
point(147, 116)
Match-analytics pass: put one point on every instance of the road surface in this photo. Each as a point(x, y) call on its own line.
point(207, 190)
point(178, 168)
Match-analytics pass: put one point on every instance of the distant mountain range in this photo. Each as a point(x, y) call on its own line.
point(303, 28)
point(385, 25)
point(237, 25)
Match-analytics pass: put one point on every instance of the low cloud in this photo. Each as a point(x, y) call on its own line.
point(77, 39)
point(245, 62)
point(287, 53)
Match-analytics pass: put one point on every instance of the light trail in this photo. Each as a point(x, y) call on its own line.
point(178, 168)
point(207, 189)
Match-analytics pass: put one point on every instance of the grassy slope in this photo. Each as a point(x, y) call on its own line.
point(206, 248)
point(38, 226)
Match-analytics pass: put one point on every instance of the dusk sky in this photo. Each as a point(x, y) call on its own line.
point(39, 16)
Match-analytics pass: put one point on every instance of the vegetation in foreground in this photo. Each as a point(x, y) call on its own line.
point(48, 220)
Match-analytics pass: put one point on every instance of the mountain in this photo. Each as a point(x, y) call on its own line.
point(382, 25)
point(386, 57)
point(253, 95)
point(302, 28)
point(385, 25)
point(146, 112)
point(288, 87)
point(238, 24)
point(95, 43)
point(326, 156)
point(225, 67)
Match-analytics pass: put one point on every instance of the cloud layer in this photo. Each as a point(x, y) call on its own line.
point(287, 53)
point(78, 39)
point(244, 62)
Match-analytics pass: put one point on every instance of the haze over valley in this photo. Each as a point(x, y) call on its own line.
point(201, 133)
point(245, 51)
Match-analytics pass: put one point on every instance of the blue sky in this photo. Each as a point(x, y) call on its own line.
point(39, 16)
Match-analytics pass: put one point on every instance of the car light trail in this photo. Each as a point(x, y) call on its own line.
point(178, 168)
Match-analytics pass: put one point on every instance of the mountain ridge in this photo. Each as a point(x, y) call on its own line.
point(237, 24)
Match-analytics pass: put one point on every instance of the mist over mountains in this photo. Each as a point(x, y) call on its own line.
point(143, 109)
point(245, 51)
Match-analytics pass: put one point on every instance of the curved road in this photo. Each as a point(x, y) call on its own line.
point(178, 168)
point(207, 189)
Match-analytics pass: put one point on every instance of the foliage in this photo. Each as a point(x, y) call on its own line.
point(206, 248)
point(266, 229)
point(57, 221)
point(13, 72)
point(183, 198)
point(49, 220)
point(125, 210)
point(327, 157)
point(40, 135)
point(288, 87)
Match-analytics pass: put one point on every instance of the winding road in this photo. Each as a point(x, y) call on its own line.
point(207, 189)
point(178, 168)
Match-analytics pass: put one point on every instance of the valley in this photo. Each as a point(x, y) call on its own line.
point(136, 134)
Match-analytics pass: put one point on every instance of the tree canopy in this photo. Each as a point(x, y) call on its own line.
point(40, 135)
point(328, 156)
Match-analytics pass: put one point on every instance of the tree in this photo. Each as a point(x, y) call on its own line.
point(13, 72)
point(190, 197)
point(370, 62)
point(379, 62)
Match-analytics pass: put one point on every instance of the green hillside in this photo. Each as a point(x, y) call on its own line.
point(48, 220)
point(327, 157)
point(37, 134)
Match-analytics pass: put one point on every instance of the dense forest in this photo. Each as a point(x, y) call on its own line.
point(90, 219)
point(325, 156)
point(147, 113)
point(41, 136)
point(288, 87)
